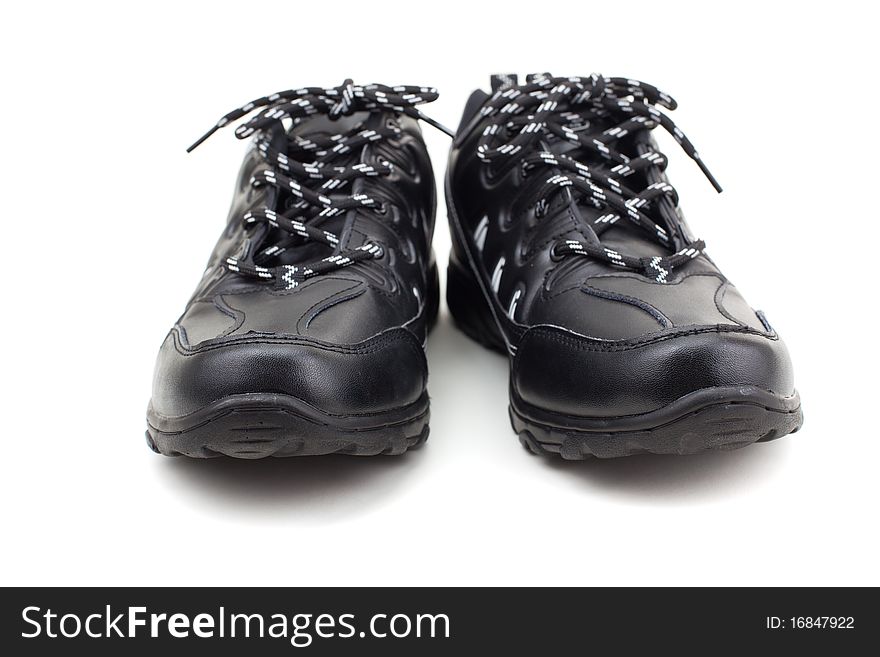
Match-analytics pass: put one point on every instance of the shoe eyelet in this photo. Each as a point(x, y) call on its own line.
point(381, 209)
point(540, 209)
point(555, 256)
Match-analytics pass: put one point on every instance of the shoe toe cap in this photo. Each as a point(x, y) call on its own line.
point(561, 372)
point(385, 372)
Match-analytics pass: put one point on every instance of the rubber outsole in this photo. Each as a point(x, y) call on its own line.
point(263, 425)
point(722, 425)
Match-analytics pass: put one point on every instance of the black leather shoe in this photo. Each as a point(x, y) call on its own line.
point(306, 334)
point(570, 255)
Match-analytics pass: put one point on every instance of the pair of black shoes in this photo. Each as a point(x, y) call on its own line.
point(307, 332)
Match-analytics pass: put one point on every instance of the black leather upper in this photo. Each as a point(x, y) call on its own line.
point(347, 342)
point(587, 338)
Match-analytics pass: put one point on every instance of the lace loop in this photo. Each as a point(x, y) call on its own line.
point(310, 182)
point(520, 118)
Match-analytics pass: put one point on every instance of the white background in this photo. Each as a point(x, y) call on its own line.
point(108, 224)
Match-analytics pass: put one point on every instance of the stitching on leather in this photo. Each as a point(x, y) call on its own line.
point(627, 345)
point(315, 281)
point(552, 295)
point(329, 302)
point(719, 296)
point(238, 316)
point(372, 345)
point(317, 303)
point(677, 279)
point(723, 286)
point(282, 293)
point(549, 294)
point(644, 306)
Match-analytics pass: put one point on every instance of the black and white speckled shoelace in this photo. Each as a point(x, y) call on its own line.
point(307, 171)
point(554, 107)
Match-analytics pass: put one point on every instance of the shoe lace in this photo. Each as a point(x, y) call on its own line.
point(305, 168)
point(519, 117)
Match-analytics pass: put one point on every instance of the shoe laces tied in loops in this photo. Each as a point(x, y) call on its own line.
point(309, 182)
point(521, 118)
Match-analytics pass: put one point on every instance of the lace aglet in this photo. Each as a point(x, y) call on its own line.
point(201, 139)
point(709, 175)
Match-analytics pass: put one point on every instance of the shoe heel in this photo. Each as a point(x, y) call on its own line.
point(469, 309)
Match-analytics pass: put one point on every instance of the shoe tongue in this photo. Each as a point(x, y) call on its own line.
point(319, 127)
point(321, 124)
point(623, 235)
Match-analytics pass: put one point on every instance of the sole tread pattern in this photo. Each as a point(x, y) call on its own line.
point(705, 429)
point(257, 434)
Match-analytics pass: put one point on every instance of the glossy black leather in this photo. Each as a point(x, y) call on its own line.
point(383, 373)
point(585, 338)
point(349, 342)
point(578, 376)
